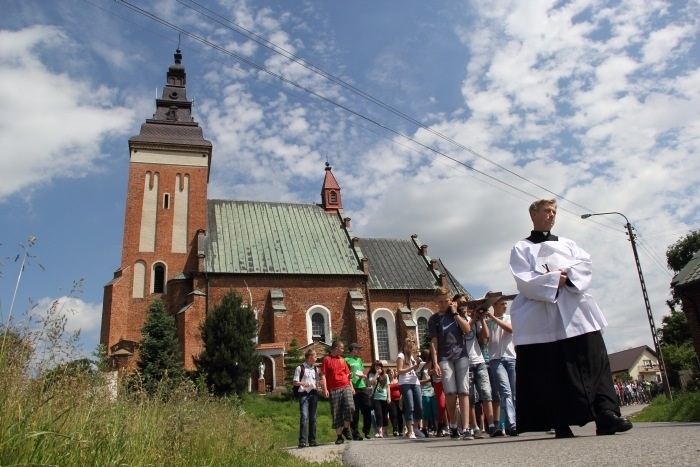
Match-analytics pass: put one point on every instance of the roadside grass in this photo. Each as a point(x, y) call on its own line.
point(279, 417)
point(685, 407)
point(73, 422)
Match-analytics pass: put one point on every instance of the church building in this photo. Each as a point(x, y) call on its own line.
point(304, 272)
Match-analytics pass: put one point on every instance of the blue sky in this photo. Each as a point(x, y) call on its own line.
point(595, 102)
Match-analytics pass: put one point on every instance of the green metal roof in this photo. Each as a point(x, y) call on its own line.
point(251, 237)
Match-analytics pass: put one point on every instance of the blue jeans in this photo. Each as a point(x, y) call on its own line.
point(308, 402)
point(504, 371)
point(412, 402)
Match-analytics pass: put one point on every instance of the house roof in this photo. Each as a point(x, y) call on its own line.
point(249, 237)
point(624, 360)
point(396, 264)
point(689, 274)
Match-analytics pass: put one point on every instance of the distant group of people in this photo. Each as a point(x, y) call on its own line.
point(465, 385)
point(635, 392)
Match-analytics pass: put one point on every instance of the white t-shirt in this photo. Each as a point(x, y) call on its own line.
point(409, 377)
point(501, 342)
point(310, 376)
point(473, 347)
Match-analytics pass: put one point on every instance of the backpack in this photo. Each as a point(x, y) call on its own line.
point(295, 388)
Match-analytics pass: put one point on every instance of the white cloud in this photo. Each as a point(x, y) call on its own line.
point(52, 125)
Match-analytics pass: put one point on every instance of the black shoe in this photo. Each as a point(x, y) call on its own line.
point(340, 440)
point(313, 444)
point(454, 433)
point(347, 434)
point(357, 437)
point(396, 433)
point(302, 445)
point(512, 431)
point(496, 432)
point(609, 423)
point(563, 432)
point(367, 436)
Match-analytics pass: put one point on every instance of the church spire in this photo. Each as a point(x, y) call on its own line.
point(330, 193)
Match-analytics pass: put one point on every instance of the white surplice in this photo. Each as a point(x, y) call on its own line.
point(539, 314)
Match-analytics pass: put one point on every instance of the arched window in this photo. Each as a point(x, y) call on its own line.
point(159, 278)
point(318, 324)
point(423, 336)
point(382, 330)
point(334, 197)
point(318, 327)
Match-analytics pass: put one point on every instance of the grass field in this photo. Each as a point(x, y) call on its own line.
point(685, 407)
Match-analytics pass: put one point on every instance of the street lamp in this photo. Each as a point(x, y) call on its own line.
point(654, 336)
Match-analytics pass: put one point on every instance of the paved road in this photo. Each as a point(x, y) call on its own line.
point(665, 444)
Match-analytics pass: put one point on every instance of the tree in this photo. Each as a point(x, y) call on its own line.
point(677, 256)
point(675, 329)
point(228, 334)
point(160, 361)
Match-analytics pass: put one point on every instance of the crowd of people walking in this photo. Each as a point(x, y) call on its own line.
point(484, 371)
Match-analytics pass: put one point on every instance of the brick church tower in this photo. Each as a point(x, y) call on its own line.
point(166, 208)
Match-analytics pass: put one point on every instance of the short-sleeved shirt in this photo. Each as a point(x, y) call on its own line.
point(380, 391)
point(356, 365)
point(426, 389)
point(449, 335)
point(337, 372)
point(310, 376)
point(473, 346)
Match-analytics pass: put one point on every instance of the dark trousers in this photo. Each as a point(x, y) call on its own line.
point(362, 406)
point(308, 402)
point(396, 416)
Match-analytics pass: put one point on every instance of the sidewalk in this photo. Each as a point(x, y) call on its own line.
point(331, 451)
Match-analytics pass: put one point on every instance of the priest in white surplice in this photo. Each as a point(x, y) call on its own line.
point(562, 370)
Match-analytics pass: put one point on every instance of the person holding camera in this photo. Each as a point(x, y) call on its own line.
point(447, 329)
point(478, 371)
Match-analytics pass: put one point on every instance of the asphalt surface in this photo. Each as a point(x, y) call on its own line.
point(665, 444)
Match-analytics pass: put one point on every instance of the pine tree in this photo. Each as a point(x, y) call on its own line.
point(160, 361)
point(229, 358)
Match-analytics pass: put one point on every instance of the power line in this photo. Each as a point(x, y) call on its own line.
point(276, 49)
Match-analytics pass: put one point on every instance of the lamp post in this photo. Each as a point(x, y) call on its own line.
point(650, 316)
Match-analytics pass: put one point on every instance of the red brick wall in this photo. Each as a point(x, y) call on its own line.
point(123, 316)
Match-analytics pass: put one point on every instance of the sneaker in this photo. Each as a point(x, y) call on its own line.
point(313, 444)
point(396, 433)
point(377, 435)
point(367, 436)
point(302, 445)
point(346, 433)
point(411, 435)
point(441, 433)
point(357, 437)
point(454, 434)
point(340, 440)
point(467, 435)
point(495, 432)
point(551, 431)
point(478, 434)
point(419, 433)
point(512, 431)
